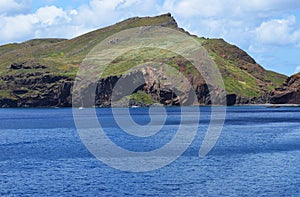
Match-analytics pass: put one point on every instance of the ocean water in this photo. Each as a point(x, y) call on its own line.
point(257, 154)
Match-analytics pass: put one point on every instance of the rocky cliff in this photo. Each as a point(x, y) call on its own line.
point(289, 92)
point(35, 88)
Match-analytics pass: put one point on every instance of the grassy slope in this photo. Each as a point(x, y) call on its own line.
point(241, 74)
point(63, 57)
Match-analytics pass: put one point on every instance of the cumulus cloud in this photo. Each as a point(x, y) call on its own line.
point(245, 23)
point(192, 8)
point(279, 32)
point(12, 29)
point(237, 21)
point(233, 20)
point(97, 12)
point(105, 12)
point(49, 15)
point(26, 26)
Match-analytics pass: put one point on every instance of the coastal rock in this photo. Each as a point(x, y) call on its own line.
point(289, 92)
point(37, 90)
point(4, 103)
point(231, 99)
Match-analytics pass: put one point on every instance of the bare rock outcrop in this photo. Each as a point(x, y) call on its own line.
point(289, 92)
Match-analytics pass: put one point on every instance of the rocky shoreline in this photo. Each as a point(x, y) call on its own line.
point(45, 90)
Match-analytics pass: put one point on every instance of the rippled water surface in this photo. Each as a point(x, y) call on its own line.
point(258, 153)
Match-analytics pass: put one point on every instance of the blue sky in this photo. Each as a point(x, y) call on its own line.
point(269, 30)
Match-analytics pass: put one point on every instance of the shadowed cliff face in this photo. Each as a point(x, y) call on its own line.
point(44, 90)
point(154, 83)
point(289, 92)
point(41, 73)
point(36, 89)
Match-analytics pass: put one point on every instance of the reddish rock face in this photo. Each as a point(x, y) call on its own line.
point(289, 92)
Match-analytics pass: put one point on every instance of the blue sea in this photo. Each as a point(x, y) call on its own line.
point(257, 154)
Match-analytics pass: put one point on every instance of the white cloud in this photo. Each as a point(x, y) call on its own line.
point(105, 4)
point(97, 12)
point(13, 29)
point(12, 7)
point(49, 15)
point(232, 20)
point(192, 8)
point(128, 3)
point(239, 22)
point(297, 70)
point(106, 12)
point(279, 32)
point(44, 22)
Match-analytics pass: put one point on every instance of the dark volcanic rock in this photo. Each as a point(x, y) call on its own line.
point(288, 97)
point(20, 91)
point(37, 90)
point(26, 65)
point(231, 99)
point(46, 90)
point(242, 100)
point(8, 103)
